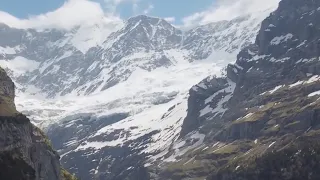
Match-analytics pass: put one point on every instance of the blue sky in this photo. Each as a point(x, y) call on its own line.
point(67, 14)
point(160, 8)
point(168, 8)
point(22, 8)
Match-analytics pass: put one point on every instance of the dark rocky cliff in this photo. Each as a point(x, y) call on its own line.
point(25, 152)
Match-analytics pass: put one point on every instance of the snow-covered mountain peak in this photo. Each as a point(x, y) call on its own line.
point(143, 18)
point(92, 34)
point(224, 37)
point(150, 21)
point(147, 33)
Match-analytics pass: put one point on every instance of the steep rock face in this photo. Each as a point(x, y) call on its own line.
point(7, 106)
point(273, 111)
point(19, 138)
point(198, 94)
point(25, 152)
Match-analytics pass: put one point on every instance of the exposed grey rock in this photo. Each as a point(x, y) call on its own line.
point(20, 138)
point(25, 152)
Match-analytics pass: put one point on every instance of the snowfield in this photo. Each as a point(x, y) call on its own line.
point(146, 96)
point(139, 93)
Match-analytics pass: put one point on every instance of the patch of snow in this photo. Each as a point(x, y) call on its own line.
point(54, 70)
point(216, 144)
point(190, 160)
point(219, 109)
point(235, 70)
point(280, 39)
point(248, 115)
point(316, 93)
point(276, 89)
point(96, 145)
point(202, 85)
point(313, 79)
point(295, 84)
point(69, 143)
point(205, 148)
point(65, 55)
point(307, 60)
point(303, 43)
point(279, 60)
point(272, 144)
point(258, 57)
point(239, 67)
point(248, 152)
point(178, 152)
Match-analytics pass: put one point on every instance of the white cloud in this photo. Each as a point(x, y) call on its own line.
point(135, 8)
point(112, 5)
point(170, 19)
point(72, 13)
point(20, 65)
point(148, 9)
point(120, 1)
point(228, 9)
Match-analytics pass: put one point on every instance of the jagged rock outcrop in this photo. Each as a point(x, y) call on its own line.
point(7, 106)
point(197, 95)
point(22, 141)
point(25, 152)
